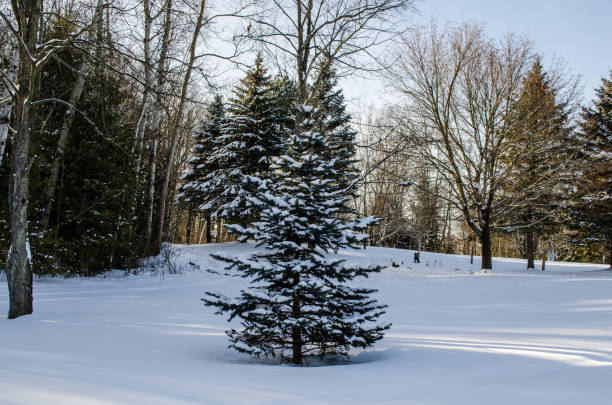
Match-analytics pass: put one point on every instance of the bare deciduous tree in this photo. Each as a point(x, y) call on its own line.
point(460, 88)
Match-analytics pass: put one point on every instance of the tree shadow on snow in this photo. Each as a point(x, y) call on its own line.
point(356, 358)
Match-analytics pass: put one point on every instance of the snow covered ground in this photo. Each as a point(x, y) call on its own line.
point(458, 337)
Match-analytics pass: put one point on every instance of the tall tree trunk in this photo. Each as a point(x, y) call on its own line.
point(142, 120)
point(174, 128)
point(530, 249)
point(19, 268)
point(139, 136)
point(151, 191)
point(485, 241)
point(6, 109)
point(19, 271)
point(156, 125)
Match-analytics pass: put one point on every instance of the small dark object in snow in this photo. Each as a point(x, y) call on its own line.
point(394, 264)
point(416, 257)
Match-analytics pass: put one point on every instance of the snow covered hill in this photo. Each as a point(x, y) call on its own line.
point(458, 337)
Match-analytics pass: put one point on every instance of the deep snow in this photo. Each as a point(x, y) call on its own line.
point(506, 337)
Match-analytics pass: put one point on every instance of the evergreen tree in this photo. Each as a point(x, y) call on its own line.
point(593, 209)
point(333, 122)
point(203, 165)
point(90, 227)
point(284, 91)
point(298, 303)
point(252, 136)
point(540, 152)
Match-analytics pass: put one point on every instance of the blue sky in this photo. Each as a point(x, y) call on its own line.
point(579, 32)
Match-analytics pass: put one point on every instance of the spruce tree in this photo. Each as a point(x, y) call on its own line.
point(298, 303)
point(252, 136)
point(333, 122)
point(592, 211)
point(539, 154)
point(199, 189)
point(284, 90)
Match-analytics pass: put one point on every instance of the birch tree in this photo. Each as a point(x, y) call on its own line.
point(176, 122)
point(157, 115)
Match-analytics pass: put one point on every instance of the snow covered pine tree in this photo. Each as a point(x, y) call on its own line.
point(332, 121)
point(199, 187)
point(298, 304)
point(252, 135)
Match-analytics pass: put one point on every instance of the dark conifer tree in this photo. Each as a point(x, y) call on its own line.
point(284, 90)
point(252, 136)
point(333, 123)
point(592, 212)
point(298, 303)
point(203, 165)
point(540, 152)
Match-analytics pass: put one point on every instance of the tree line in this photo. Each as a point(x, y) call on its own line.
point(100, 100)
point(487, 147)
point(118, 131)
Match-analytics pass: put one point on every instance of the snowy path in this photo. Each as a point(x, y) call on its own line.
point(508, 337)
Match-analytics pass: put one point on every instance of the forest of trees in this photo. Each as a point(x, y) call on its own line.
point(128, 124)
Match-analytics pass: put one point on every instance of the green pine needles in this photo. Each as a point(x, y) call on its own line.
point(300, 303)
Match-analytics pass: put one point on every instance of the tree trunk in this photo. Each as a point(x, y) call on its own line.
point(6, 109)
point(156, 124)
point(296, 334)
point(472, 254)
point(530, 249)
point(208, 234)
point(485, 241)
point(174, 128)
point(142, 120)
point(218, 229)
point(19, 268)
point(75, 96)
point(151, 191)
point(189, 223)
